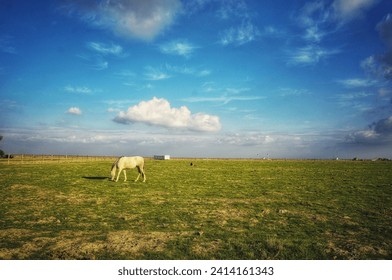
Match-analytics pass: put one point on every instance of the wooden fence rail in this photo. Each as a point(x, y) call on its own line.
point(31, 159)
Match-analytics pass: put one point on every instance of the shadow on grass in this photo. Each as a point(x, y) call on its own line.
point(95, 178)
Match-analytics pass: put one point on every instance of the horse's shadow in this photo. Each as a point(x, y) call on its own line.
point(95, 177)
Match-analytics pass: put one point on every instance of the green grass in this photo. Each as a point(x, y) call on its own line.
point(216, 209)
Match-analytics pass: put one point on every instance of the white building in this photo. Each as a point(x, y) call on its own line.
point(164, 157)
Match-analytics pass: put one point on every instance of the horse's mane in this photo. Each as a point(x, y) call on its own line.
point(114, 165)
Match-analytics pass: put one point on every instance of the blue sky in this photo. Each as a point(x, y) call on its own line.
point(204, 78)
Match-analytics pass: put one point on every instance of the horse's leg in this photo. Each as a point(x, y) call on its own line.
point(141, 171)
point(138, 175)
point(125, 175)
point(144, 174)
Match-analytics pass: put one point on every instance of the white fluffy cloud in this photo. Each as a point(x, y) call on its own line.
point(74, 111)
point(158, 112)
point(130, 18)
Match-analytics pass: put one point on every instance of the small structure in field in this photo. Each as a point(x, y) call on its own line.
point(162, 157)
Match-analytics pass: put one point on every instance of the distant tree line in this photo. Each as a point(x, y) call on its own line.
point(376, 159)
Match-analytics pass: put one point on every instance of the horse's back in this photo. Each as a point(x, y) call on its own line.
point(131, 162)
point(139, 159)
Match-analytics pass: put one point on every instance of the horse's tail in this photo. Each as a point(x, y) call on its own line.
point(140, 164)
point(141, 167)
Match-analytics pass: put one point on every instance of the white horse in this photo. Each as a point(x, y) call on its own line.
point(123, 163)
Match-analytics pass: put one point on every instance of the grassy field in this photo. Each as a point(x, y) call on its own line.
point(215, 209)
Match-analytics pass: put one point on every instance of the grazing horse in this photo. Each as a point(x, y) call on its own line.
point(123, 163)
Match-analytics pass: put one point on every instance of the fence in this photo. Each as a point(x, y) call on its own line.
point(31, 159)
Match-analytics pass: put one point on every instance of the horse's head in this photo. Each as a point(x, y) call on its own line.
point(113, 171)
